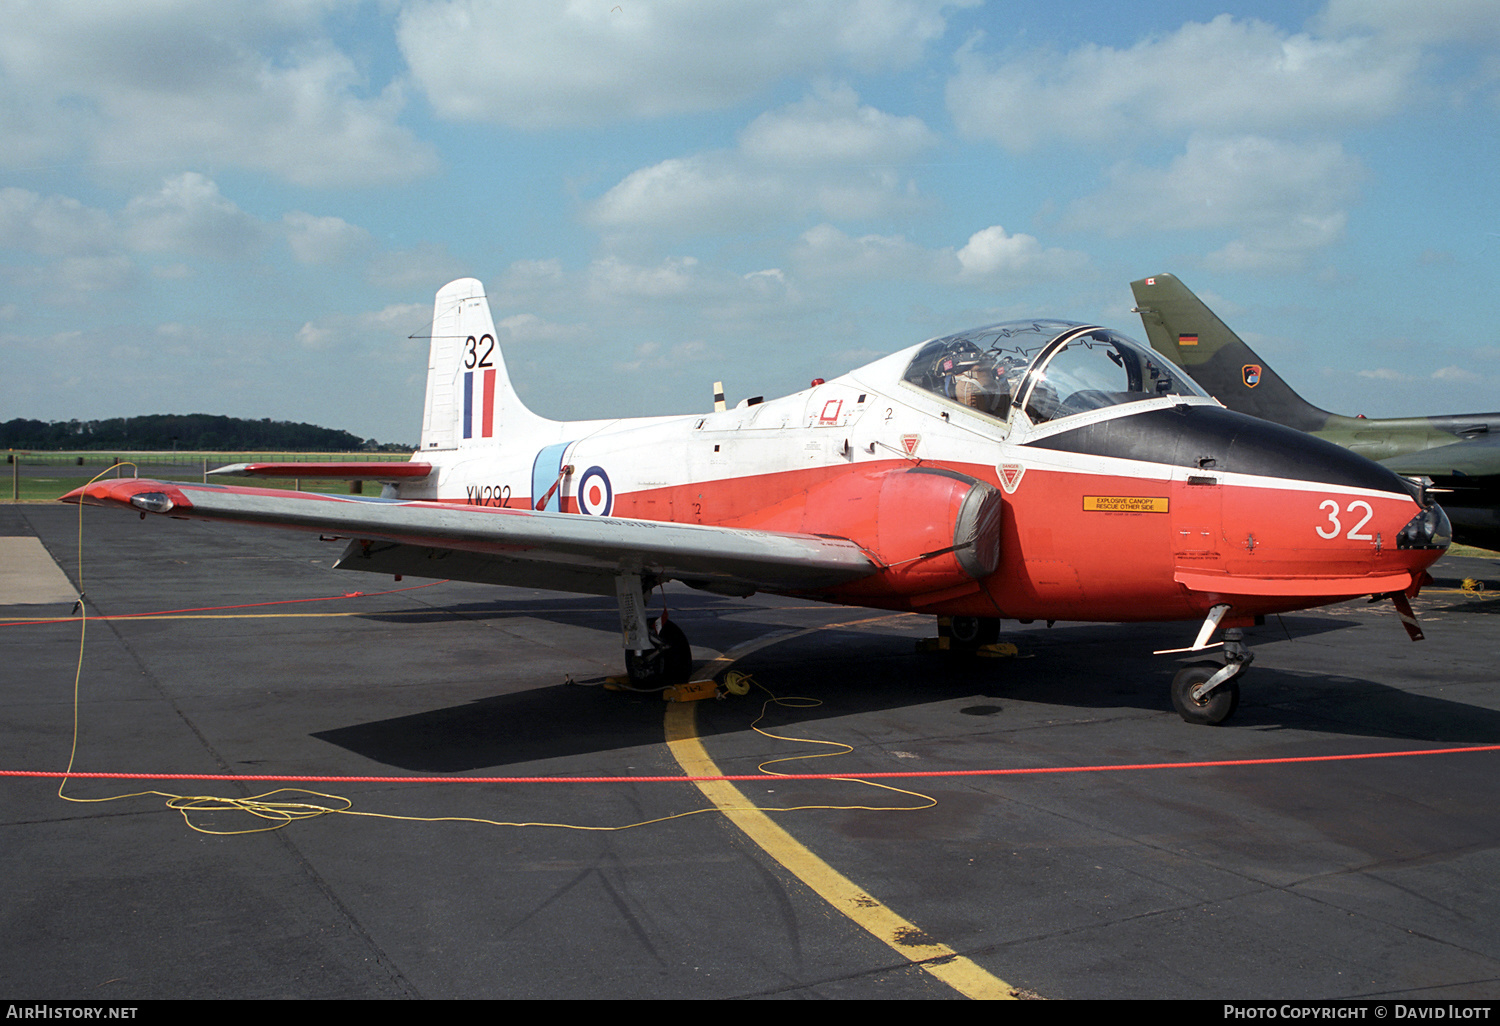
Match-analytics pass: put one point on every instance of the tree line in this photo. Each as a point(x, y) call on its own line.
point(187, 432)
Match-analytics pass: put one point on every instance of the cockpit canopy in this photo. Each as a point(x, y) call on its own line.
point(1049, 369)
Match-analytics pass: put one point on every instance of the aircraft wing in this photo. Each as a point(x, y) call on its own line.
point(519, 547)
point(1476, 457)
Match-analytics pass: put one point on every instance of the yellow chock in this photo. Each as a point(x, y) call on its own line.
point(998, 650)
point(692, 691)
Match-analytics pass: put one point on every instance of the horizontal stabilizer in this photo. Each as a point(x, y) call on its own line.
point(368, 470)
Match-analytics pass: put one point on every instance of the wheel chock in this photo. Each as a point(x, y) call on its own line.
point(692, 691)
point(997, 650)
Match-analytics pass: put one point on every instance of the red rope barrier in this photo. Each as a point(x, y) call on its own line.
point(882, 775)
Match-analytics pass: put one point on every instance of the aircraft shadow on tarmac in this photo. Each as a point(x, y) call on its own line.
point(1091, 670)
point(692, 610)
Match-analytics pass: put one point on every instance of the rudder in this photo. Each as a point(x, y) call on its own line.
point(1183, 329)
point(470, 401)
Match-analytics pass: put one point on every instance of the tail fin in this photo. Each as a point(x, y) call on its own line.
point(1188, 333)
point(470, 401)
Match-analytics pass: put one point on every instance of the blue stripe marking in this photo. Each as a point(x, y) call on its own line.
point(468, 404)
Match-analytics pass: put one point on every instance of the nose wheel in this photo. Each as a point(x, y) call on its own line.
point(1207, 692)
point(1198, 700)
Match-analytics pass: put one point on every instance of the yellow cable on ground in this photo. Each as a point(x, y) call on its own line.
point(278, 814)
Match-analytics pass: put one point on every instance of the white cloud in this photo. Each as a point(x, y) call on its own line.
point(703, 193)
point(1227, 76)
point(377, 331)
point(832, 127)
point(177, 82)
point(77, 275)
point(52, 225)
point(189, 215)
point(826, 252)
point(417, 267)
point(992, 258)
point(825, 156)
point(526, 327)
point(612, 278)
point(1416, 21)
point(322, 240)
point(314, 336)
point(993, 255)
point(547, 63)
point(1462, 374)
point(1285, 199)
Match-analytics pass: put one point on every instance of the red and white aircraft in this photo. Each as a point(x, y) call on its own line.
point(1027, 470)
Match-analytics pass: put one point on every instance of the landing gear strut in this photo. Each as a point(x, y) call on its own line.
point(1208, 692)
point(657, 654)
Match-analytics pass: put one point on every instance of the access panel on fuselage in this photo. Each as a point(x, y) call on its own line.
point(546, 475)
point(1077, 543)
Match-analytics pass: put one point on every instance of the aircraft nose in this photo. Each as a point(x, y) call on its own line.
point(1429, 529)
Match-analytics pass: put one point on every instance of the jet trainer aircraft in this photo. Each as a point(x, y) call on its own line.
point(1459, 453)
point(1028, 470)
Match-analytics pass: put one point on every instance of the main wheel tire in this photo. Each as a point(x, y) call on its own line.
point(668, 662)
point(1214, 708)
point(970, 632)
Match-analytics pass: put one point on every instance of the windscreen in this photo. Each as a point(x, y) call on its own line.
point(1051, 369)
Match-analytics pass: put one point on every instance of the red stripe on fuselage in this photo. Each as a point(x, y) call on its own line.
point(1061, 560)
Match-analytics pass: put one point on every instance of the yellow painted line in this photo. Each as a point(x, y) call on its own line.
point(900, 935)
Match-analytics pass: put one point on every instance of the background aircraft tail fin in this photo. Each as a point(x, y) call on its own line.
point(470, 401)
point(1189, 334)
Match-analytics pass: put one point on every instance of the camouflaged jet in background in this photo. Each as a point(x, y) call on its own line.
point(1460, 453)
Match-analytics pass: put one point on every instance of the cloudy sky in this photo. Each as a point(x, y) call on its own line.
point(244, 207)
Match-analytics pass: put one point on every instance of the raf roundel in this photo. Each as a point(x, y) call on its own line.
point(595, 496)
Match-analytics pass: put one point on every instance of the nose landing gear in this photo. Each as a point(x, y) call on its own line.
point(1208, 692)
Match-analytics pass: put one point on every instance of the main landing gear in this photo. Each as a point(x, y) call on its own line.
point(667, 662)
point(1209, 692)
point(968, 636)
point(657, 654)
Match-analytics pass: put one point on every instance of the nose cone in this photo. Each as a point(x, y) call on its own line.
point(1429, 529)
point(1264, 510)
point(1215, 440)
